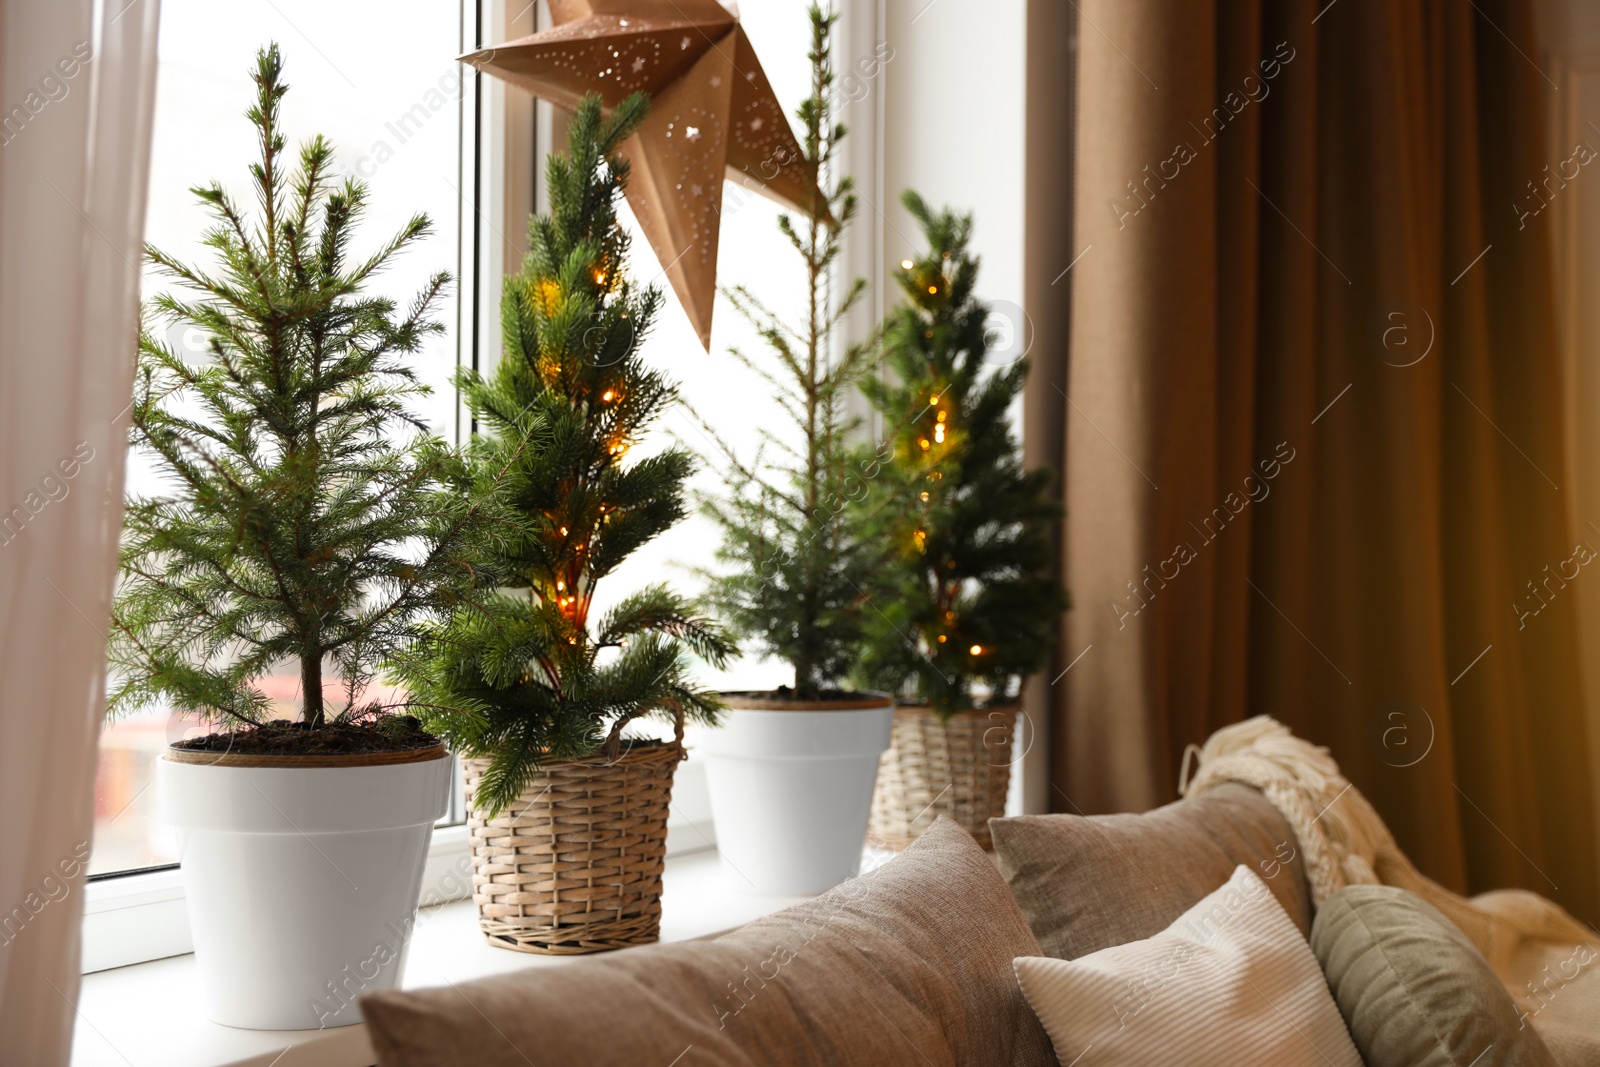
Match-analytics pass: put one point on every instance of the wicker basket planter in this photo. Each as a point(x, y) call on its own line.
point(960, 768)
point(574, 866)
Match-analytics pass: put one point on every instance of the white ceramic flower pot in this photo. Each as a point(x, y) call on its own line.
point(791, 788)
point(301, 881)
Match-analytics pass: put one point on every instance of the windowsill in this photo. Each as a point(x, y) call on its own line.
point(148, 1014)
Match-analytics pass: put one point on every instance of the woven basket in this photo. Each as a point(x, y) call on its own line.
point(960, 768)
point(574, 866)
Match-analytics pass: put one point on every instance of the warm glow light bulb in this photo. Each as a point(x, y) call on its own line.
point(607, 395)
point(906, 264)
point(976, 650)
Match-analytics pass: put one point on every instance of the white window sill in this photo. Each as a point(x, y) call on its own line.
point(148, 1014)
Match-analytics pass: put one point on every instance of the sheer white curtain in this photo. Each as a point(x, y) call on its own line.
point(77, 81)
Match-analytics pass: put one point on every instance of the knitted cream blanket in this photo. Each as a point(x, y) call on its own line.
point(1344, 842)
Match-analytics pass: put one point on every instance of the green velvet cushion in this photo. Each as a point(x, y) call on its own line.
point(1413, 990)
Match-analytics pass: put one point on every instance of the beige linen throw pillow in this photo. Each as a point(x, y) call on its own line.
point(1087, 883)
point(1231, 982)
point(908, 966)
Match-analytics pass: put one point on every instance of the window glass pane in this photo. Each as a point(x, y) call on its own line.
point(728, 397)
point(381, 83)
point(384, 91)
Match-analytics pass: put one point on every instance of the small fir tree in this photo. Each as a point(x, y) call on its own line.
point(966, 607)
point(796, 574)
point(525, 678)
point(303, 517)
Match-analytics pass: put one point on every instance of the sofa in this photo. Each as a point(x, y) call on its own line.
point(911, 963)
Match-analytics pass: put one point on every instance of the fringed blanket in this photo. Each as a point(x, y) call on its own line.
point(1549, 962)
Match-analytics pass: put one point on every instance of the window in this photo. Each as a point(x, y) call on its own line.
point(429, 135)
point(727, 396)
point(387, 92)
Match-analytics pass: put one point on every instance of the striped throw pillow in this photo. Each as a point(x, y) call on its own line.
point(1231, 982)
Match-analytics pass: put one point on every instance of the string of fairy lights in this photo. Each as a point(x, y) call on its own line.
point(940, 434)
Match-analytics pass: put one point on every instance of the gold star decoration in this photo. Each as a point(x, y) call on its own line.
point(712, 114)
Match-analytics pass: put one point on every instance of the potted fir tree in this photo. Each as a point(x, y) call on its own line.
point(302, 521)
point(568, 819)
point(966, 605)
point(792, 771)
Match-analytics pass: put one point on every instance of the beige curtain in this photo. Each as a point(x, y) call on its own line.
point(77, 85)
point(1313, 449)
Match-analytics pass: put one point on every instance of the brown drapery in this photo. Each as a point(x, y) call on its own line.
point(1313, 441)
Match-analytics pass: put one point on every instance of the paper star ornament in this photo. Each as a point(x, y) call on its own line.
point(712, 115)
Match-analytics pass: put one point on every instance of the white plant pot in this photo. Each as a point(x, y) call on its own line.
point(791, 788)
point(301, 881)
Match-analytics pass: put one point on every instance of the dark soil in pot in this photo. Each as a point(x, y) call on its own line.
point(282, 737)
point(784, 692)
